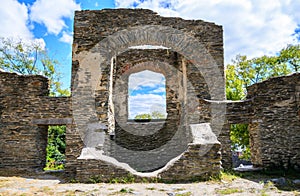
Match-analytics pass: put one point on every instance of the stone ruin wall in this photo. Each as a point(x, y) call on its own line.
point(272, 107)
point(271, 110)
point(92, 28)
point(24, 99)
point(275, 126)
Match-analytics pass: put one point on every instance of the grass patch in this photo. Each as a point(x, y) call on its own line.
point(183, 194)
point(123, 191)
point(73, 180)
point(263, 193)
point(126, 190)
point(269, 185)
point(228, 176)
point(179, 189)
point(124, 180)
point(228, 191)
point(150, 188)
point(68, 193)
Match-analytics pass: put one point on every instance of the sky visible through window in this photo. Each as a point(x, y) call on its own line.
point(146, 93)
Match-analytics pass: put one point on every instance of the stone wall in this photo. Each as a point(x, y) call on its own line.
point(200, 161)
point(272, 112)
point(102, 63)
point(24, 99)
point(275, 126)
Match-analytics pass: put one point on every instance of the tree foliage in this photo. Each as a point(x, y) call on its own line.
point(56, 147)
point(234, 86)
point(291, 56)
point(239, 136)
point(143, 116)
point(244, 72)
point(29, 58)
point(157, 115)
point(153, 115)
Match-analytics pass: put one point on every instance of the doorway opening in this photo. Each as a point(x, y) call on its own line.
point(56, 147)
point(240, 145)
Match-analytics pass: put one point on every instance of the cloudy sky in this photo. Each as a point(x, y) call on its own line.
point(147, 93)
point(251, 27)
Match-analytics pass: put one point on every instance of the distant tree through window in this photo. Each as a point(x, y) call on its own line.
point(147, 95)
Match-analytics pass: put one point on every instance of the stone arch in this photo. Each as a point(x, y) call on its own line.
point(177, 40)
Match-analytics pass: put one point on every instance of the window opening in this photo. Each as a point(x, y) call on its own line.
point(147, 96)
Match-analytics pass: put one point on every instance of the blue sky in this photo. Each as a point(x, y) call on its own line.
point(55, 29)
point(251, 27)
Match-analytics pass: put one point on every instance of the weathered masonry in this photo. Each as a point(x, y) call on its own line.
point(193, 142)
point(23, 100)
point(103, 60)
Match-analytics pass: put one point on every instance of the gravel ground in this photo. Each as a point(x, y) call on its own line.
point(51, 185)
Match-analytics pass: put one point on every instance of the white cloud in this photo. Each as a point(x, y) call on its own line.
point(52, 13)
point(36, 42)
point(161, 89)
point(67, 38)
point(157, 5)
point(145, 79)
point(251, 27)
point(15, 25)
point(14, 19)
point(146, 103)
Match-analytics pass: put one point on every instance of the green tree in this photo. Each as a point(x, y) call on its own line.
point(244, 72)
point(153, 115)
point(234, 86)
point(142, 116)
point(56, 147)
point(28, 58)
point(290, 55)
point(157, 115)
point(239, 136)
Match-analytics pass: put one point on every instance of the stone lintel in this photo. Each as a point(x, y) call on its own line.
point(53, 121)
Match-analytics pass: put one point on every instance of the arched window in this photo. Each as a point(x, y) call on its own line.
point(147, 95)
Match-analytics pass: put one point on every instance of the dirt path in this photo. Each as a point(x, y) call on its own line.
point(51, 185)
